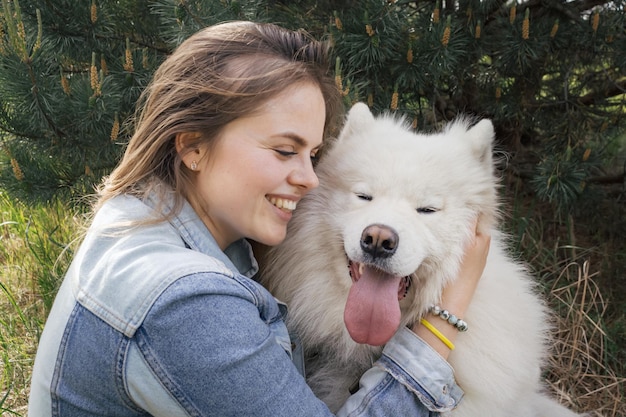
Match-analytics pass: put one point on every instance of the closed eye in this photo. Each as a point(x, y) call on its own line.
point(426, 210)
point(285, 153)
point(365, 197)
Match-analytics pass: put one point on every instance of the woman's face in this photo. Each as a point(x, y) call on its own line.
point(260, 166)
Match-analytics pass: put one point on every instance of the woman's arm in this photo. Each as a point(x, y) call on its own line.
point(214, 353)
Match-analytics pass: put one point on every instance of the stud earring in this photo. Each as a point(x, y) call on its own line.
point(194, 165)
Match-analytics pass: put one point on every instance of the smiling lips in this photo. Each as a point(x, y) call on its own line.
point(283, 203)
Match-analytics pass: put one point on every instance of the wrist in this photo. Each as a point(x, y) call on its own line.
point(456, 303)
point(449, 317)
point(440, 328)
point(443, 337)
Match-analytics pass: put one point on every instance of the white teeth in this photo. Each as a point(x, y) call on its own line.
point(283, 203)
point(361, 269)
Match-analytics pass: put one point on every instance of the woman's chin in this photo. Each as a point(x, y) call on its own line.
point(272, 239)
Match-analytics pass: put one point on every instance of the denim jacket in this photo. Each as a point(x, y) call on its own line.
point(156, 320)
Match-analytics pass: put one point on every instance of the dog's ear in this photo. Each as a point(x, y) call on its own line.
point(358, 119)
point(481, 137)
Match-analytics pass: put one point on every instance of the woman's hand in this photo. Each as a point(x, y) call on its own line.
point(457, 295)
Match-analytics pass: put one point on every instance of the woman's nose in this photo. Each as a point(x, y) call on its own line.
point(304, 176)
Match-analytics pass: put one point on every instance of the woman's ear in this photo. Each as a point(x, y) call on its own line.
point(188, 148)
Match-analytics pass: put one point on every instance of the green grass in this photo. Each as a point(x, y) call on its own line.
point(35, 249)
point(579, 260)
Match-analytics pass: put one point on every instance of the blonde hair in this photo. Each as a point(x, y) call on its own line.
point(219, 74)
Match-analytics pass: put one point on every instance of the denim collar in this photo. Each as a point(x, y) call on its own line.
point(120, 270)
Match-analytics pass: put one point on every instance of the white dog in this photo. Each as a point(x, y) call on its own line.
point(419, 194)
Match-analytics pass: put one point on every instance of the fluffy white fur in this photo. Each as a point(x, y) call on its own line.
point(428, 188)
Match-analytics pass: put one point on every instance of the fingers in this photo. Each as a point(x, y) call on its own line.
point(481, 239)
point(471, 269)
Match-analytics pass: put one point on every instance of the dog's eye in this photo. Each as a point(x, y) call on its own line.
point(365, 197)
point(426, 210)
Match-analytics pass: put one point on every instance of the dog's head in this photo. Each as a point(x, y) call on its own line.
point(403, 205)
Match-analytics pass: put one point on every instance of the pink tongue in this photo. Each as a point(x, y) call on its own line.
point(372, 313)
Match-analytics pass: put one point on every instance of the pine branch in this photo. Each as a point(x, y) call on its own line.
point(585, 5)
point(618, 88)
point(567, 11)
point(608, 179)
point(35, 92)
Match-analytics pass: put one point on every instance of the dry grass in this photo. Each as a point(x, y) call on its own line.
point(577, 371)
point(580, 259)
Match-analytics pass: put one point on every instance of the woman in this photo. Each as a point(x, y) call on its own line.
point(158, 314)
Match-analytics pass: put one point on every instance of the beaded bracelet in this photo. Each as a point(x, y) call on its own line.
point(459, 324)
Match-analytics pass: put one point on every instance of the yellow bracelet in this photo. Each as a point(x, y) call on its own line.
point(437, 333)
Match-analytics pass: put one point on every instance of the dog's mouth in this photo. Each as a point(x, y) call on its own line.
point(372, 312)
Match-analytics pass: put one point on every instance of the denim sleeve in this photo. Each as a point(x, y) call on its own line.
point(209, 348)
point(410, 378)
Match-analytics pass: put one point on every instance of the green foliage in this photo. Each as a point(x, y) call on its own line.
point(180, 19)
point(62, 86)
point(551, 75)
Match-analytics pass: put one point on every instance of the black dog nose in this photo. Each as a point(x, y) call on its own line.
point(379, 241)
